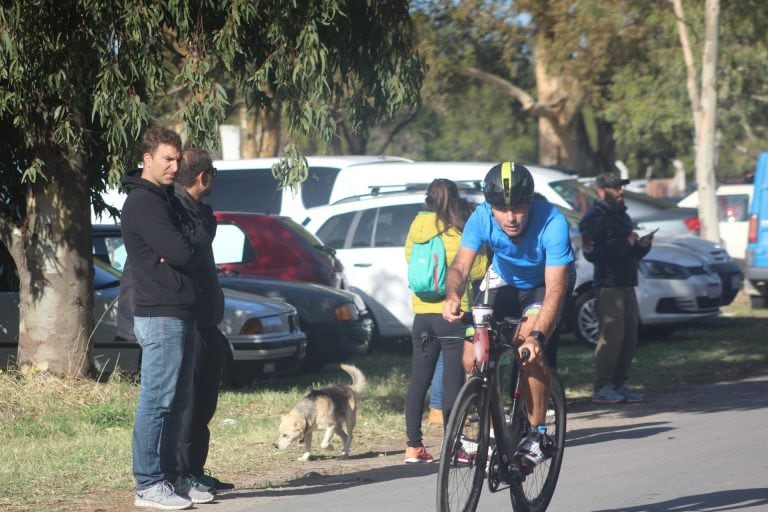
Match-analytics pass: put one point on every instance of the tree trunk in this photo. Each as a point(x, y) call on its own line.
point(705, 131)
point(563, 139)
point(259, 133)
point(356, 143)
point(53, 252)
point(703, 107)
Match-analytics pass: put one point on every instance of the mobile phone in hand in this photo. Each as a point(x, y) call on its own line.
point(650, 235)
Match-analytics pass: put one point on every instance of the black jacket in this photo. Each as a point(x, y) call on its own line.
point(605, 231)
point(210, 307)
point(156, 227)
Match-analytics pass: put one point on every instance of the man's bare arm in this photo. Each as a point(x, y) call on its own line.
point(556, 284)
point(456, 283)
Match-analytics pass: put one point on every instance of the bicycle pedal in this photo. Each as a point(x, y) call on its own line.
point(520, 468)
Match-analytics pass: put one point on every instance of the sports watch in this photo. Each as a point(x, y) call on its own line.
point(539, 336)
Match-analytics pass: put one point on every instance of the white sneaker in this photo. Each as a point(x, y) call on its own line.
point(161, 496)
point(629, 395)
point(607, 395)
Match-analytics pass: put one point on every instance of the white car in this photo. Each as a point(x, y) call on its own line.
point(369, 237)
point(733, 202)
point(675, 286)
point(247, 185)
point(559, 188)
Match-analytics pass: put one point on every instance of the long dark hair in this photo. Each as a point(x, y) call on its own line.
point(450, 209)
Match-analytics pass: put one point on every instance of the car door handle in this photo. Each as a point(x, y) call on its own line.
point(362, 265)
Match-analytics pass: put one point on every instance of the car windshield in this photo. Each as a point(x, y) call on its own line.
point(246, 190)
point(303, 234)
point(316, 189)
point(647, 203)
point(104, 275)
point(576, 194)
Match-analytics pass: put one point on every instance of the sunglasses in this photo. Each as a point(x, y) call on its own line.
point(212, 171)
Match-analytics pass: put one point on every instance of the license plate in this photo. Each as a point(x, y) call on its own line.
point(269, 367)
point(713, 291)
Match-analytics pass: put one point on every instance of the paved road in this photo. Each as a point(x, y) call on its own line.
point(699, 448)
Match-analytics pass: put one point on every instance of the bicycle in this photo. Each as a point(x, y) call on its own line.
point(471, 452)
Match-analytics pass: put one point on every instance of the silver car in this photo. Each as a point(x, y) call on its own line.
point(264, 334)
point(675, 286)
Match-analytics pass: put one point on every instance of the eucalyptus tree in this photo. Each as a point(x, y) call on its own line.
point(553, 57)
point(703, 98)
point(77, 81)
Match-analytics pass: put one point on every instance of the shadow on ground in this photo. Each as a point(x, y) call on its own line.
point(316, 483)
point(740, 499)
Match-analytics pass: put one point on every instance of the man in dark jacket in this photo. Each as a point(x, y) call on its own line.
point(163, 251)
point(613, 247)
point(194, 183)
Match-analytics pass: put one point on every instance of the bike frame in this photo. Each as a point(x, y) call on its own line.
point(489, 376)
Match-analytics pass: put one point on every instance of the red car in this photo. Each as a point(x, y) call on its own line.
point(263, 245)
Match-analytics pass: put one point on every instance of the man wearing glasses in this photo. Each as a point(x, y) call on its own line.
point(609, 242)
point(195, 182)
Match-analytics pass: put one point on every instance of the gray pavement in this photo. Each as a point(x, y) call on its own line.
point(696, 448)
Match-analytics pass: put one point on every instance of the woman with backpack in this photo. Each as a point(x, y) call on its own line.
point(432, 242)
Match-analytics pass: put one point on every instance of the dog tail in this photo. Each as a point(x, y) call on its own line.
point(358, 379)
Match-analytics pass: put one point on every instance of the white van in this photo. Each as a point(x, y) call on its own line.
point(248, 185)
point(372, 178)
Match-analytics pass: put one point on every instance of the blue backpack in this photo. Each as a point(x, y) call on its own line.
point(427, 269)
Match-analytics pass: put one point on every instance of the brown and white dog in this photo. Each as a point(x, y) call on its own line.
point(324, 409)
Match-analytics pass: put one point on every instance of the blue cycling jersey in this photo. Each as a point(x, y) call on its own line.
point(546, 242)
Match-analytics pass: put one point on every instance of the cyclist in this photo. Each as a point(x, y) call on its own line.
point(532, 254)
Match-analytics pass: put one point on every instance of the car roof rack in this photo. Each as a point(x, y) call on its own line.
point(409, 188)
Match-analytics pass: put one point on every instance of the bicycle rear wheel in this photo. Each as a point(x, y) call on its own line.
point(464, 452)
point(535, 492)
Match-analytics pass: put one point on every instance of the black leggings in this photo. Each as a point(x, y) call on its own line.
point(423, 367)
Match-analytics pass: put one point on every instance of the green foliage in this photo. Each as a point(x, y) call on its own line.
point(292, 169)
point(476, 125)
point(80, 81)
point(625, 56)
point(85, 75)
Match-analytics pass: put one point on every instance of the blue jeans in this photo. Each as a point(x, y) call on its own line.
point(436, 387)
point(167, 364)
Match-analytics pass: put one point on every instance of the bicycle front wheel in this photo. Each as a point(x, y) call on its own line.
point(464, 451)
point(535, 492)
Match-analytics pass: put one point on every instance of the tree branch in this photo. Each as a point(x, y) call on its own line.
point(399, 126)
point(693, 89)
point(526, 100)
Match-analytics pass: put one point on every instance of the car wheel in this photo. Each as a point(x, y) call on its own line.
point(655, 332)
point(758, 301)
point(312, 363)
point(381, 344)
point(315, 359)
point(585, 322)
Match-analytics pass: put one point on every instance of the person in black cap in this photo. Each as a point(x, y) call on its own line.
point(610, 243)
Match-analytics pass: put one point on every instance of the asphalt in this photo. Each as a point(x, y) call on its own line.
point(587, 422)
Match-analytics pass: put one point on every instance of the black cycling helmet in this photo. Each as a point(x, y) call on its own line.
point(508, 184)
